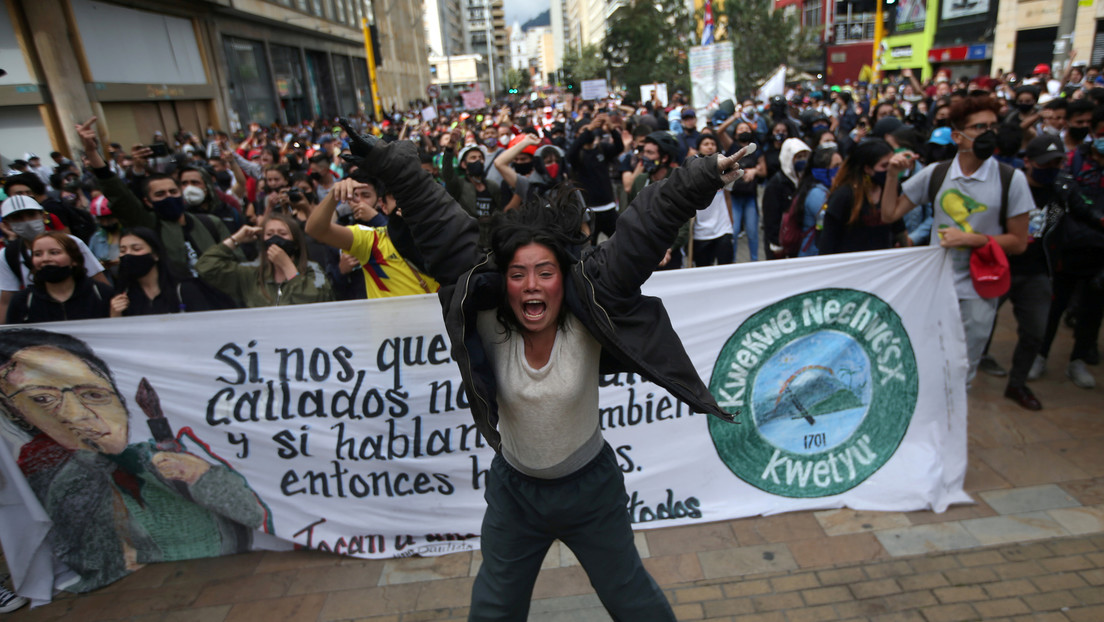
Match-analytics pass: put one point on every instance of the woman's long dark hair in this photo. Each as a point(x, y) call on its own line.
point(821, 158)
point(165, 280)
point(553, 220)
point(853, 171)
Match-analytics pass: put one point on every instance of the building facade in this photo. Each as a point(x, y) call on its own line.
point(143, 67)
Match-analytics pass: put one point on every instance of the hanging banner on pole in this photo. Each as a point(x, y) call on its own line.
point(846, 372)
point(712, 76)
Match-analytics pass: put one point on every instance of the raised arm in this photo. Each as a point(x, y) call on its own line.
point(506, 158)
point(321, 225)
point(124, 205)
point(648, 227)
point(446, 236)
point(895, 204)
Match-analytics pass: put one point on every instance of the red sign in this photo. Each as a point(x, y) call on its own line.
point(946, 55)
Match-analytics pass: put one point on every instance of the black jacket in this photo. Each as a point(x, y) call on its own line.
point(602, 290)
point(90, 300)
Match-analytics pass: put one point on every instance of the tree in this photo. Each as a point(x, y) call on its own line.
point(517, 80)
point(649, 41)
point(763, 39)
point(585, 64)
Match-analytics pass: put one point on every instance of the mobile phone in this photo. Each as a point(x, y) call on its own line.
point(159, 150)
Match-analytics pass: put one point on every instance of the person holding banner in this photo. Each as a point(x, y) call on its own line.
point(533, 326)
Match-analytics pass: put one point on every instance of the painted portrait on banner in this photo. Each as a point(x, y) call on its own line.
point(116, 504)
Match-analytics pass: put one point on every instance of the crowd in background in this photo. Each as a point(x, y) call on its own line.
point(274, 215)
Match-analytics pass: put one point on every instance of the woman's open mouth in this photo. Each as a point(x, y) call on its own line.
point(534, 309)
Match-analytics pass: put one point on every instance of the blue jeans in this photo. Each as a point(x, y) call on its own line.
point(745, 213)
point(587, 511)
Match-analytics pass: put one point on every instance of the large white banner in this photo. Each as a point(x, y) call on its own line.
point(344, 426)
point(712, 76)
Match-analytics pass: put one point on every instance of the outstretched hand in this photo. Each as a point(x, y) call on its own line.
point(729, 167)
point(360, 144)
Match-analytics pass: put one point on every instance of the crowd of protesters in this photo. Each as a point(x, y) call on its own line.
point(273, 215)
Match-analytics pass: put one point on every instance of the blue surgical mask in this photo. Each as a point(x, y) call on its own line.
point(1098, 145)
point(799, 166)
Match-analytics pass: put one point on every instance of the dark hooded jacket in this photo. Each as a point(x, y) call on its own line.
point(602, 289)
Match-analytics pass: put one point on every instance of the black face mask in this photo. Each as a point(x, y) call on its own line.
point(169, 208)
point(942, 123)
point(288, 246)
point(745, 137)
point(53, 274)
point(523, 169)
point(132, 267)
point(1078, 133)
point(475, 169)
point(112, 228)
point(879, 178)
point(985, 145)
point(1025, 108)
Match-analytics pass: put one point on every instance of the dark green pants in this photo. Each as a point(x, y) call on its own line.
point(587, 511)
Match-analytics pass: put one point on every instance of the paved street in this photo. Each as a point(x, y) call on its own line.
point(1031, 548)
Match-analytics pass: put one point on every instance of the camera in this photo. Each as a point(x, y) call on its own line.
point(159, 150)
point(295, 195)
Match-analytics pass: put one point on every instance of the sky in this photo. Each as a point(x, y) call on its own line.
point(523, 10)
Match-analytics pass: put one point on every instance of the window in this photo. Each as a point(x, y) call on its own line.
point(812, 17)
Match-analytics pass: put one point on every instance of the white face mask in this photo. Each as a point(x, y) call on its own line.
point(29, 229)
point(194, 195)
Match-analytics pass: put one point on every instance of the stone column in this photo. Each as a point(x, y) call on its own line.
point(52, 32)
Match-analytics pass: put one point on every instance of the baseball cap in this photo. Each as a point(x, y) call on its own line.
point(1044, 149)
point(18, 203)
point(1041, 68)
point(99, 207)
point(989, 270)
point(941, 136)
point(689, 113)
point(464, 151)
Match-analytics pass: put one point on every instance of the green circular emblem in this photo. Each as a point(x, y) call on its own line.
point(826, 386)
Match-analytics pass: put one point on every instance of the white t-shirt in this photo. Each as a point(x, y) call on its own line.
point(971, 203)
point(713, 221)
point(9, 282)
point(548, 417)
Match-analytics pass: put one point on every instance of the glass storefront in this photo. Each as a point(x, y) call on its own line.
point(250, 84)
point(287, 65)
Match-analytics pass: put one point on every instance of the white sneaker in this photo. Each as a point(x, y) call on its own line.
point(1038, 368)
point(1079, 374)
point(10, 601)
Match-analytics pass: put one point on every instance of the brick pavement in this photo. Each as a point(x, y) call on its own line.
point(1031, 548)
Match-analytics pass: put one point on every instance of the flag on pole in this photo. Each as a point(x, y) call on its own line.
point(707, 30)
point(775, 84)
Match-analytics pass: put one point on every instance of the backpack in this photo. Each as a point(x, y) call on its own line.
point(13, 256)
point(939, 173)
point(789, 233)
